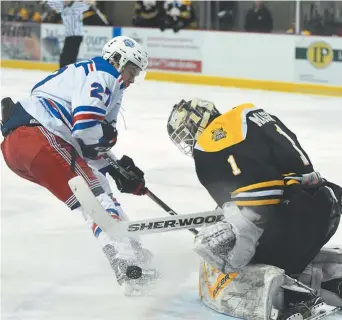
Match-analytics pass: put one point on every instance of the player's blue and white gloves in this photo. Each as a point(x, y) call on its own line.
point(134, 183)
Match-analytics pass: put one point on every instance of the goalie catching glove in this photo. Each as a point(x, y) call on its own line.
point(229, 244)
point(134, 183)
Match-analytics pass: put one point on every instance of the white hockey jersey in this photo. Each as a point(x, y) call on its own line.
point(73, 101)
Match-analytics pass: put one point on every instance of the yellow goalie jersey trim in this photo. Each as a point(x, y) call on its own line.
point(225, 131)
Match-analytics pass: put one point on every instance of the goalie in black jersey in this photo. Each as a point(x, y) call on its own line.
point(278, 210)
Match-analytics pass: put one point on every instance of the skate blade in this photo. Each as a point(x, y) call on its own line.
point(330, 310)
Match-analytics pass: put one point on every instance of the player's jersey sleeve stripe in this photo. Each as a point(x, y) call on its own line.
point(292, 181)
point(257, 202)
point(57, 110)
point(87, 116)
point(252, 197)
point(88, 109)
point(65, 112)
point(84, 125)
point(260, 185)
point(258, 194)
point(52, 111)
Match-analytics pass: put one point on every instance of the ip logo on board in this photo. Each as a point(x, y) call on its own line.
point(320, 54)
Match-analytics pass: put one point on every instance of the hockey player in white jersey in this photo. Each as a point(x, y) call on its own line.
point(62, 129)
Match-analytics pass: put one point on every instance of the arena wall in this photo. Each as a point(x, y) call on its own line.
point(288, 63)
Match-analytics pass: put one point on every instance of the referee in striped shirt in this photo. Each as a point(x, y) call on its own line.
point(72, 18)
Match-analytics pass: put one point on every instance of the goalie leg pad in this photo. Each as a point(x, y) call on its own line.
point(248, 294)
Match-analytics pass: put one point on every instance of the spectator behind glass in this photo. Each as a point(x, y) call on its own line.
point(224, 13)
point(179, 15)
point(259, 19)
point(94, 16)
point(292, 30)
point(27, 14)
point(325, 22)
point(148, 14)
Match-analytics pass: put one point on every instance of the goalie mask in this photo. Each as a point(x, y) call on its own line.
point(188, 120)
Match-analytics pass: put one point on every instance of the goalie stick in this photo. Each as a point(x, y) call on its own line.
point(131, 228)
point(149, 193)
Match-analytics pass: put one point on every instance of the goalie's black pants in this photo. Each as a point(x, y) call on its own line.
point(299, 228)
point(70, 50)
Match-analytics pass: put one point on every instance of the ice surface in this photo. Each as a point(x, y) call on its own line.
point(52, 267)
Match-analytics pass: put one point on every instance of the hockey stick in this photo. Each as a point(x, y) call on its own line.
point(163, 205)
point(100, 14)
point(121, 229)
point(149, 193)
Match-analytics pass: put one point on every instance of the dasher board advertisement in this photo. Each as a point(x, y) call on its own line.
point(318, 60)
point(170, 51)
point(20, 40)
point(52, 41)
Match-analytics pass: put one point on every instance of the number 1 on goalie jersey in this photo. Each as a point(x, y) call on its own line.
point(235, 169)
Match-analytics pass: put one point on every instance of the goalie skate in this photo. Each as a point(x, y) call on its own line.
point(313, 309)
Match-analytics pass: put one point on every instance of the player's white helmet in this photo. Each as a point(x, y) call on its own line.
point(188, 120)
point(121, 50)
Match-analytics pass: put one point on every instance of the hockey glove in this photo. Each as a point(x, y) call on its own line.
point(134, 183)
point(229, 244)
point(107, 142)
